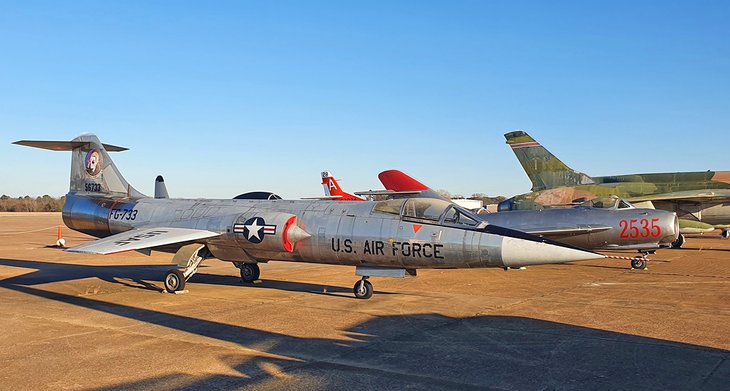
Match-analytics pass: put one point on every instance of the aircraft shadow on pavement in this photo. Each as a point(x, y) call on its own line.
point(139, 277)
point(431, 351)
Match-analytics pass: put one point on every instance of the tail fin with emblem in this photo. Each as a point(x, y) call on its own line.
point(92, 170)
point(333, 190)
point(542, 167)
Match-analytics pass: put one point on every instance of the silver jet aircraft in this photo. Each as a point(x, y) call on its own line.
point(385, 239)
point(606, 223)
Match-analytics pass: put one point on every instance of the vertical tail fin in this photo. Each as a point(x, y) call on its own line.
point(399, 181)
point(92, 170)
point(333, 189)
point(160, 188)
point(542, 167)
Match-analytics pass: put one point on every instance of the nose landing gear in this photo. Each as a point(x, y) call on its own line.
point(363, 289)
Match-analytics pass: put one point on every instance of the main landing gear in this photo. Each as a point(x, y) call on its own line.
point(641, 262)
point(363, 289)
point(679, 242)
point(174, 281)
point(187, 259)
point(638, 263)
point(250, 272)
point(725, 233)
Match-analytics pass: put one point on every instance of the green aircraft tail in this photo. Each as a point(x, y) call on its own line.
point(542, 167)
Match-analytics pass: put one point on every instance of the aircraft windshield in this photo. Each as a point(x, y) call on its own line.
point(389, 206)
point(456, 216)
point(428, 209)
point(425, 208)
point(607, 203)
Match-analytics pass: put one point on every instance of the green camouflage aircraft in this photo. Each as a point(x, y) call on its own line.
point(700, 199)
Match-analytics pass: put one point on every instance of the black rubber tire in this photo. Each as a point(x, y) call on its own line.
point(250, 272)
point(679, 242)
point(174, 281)
point(363, 289)
point(638, 264)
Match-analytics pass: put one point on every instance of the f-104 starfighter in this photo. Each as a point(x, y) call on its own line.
point(391, 238)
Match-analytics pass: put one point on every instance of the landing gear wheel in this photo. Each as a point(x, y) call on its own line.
point(638, 264)
point(250, 272)
point(174, 281)
point(363, 289)
point(725, 233)
point(679, 242)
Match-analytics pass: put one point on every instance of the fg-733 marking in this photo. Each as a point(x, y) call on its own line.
point(123, 214)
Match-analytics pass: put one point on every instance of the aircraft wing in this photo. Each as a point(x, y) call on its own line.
point(557, 232)
point(142, 238)
point(692, 195)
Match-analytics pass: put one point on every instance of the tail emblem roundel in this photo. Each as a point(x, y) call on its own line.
point(93, 162)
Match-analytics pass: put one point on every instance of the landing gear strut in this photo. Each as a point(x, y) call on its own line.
point(250, 272)
point(187, 259)
point(363, 289)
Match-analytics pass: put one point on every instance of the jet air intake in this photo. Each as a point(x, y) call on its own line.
point(265, 232)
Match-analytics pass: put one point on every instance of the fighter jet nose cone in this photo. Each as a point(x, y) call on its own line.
point(296, 234)
point(520, 252)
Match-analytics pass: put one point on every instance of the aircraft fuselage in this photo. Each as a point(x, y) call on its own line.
point(346, 233)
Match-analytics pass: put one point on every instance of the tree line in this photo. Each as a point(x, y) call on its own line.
point(44, 203)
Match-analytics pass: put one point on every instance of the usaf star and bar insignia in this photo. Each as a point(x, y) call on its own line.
point(255, 229)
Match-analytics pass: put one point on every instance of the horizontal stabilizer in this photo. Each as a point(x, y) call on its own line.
point(138, 239)
point(387, 192)
point(65, 145)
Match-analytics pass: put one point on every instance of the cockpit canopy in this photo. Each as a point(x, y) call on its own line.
point(428, 210)
point(610, 202)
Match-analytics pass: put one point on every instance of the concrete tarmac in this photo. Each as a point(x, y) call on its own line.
point(74, 321)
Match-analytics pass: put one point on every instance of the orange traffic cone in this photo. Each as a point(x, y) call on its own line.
point(61, 242)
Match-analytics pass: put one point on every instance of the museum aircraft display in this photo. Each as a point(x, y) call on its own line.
point(700, 199)
point(391, 238)
point(607, 223)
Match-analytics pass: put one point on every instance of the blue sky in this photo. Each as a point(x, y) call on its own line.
point(227, 97)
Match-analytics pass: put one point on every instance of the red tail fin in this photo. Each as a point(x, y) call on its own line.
point(333, 189)
point(398, 181)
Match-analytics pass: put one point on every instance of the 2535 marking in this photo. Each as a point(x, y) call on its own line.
point(643, 228)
